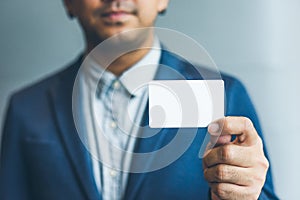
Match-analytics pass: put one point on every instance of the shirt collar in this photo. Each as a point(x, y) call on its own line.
point(133, 79)
point(138, 76)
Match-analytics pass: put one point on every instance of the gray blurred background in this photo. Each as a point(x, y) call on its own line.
point(257, 41)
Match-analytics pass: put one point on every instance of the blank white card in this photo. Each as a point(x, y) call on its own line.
point(185, 103)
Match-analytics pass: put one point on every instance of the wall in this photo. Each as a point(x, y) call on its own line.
point(258, 41)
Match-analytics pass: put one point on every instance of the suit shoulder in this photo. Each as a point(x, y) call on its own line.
point(230, 80)
point(233, 85)
point(40, 87)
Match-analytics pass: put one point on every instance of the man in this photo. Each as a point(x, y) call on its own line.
point(43, 157)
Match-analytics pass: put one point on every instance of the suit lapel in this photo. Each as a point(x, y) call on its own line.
point(171, 68)
point(61, 96)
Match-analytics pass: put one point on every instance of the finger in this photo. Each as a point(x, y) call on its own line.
point(232, 191)
point(216, 141)
point(242, 127)
point(229, 174)
point(230, 154)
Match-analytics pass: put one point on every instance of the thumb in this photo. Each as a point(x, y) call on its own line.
point(217, 139)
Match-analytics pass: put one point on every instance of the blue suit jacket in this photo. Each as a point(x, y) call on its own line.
point(42, 156)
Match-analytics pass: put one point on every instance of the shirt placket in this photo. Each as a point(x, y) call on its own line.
point(115, 102)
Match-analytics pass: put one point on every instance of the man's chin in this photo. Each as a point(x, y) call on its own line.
point(132, 36)
point(120, 43)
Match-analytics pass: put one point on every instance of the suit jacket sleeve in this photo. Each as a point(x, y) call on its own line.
point(239, 104)
point(12, 176)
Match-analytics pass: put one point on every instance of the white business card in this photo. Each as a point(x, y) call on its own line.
point(185, 103)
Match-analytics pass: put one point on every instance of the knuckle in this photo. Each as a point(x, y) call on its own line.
point(206, 174)
point(225, 153)
point(204, 162)
point(258, 180)
point(220, 173)
point(247, 123)
point(266, 163)
point(260, 142)
point(252, 181)
point(221, 191)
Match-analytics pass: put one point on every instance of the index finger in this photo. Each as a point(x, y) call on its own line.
point(242, 127)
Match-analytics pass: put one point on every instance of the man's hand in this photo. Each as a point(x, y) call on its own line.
point(235, 170)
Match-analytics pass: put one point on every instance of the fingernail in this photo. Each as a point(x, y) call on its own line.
point(213, 128)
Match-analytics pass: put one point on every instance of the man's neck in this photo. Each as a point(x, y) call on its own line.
point(125, 61)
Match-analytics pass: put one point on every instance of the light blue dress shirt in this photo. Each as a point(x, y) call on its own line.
point(115, 110)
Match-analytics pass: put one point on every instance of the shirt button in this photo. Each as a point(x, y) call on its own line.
point(113, 173)
point(116, 85)
point(113, 125)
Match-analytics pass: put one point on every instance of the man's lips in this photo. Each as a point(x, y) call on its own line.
point(117, 11)
point(116, 15)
